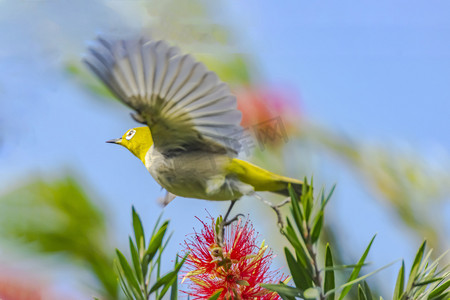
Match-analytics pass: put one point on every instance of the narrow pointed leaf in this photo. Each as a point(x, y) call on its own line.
point(415, 266)
point(216, 295)
point(122, 282)
point(329, 282)
point(324, 203)
point(136, 262)
point(343, 267)
point(167, 279)
point(299, 273)
point(174, 289)
point(299, 246)
point(166, 288)
point(286, 297)
point(361, 293)
point(138, 231)
point(124, 288)
point(317, 227)
point(399, 285)
point(351, 283)
point(307, 200)
point(173, 282)
point(441, 288)
point(428, 281)
point(296, 212)
point(311, 294)
point(128, 274)
point(356, 270)
point(283, 289)
point(156, 241)
point(367, 290)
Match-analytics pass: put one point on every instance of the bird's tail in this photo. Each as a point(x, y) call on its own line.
point(263, 180)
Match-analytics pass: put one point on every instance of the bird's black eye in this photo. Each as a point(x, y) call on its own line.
point(130, 134)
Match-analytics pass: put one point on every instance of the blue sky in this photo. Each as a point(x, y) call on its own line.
point(377, 71)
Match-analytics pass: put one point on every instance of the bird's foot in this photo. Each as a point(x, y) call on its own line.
point(219, 238)
point(235, 218)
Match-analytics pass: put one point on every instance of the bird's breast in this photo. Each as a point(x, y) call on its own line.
point(189, 174)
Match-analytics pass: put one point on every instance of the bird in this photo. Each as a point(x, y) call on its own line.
point(190, 140)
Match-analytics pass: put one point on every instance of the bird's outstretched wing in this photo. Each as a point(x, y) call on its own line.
point(185, 105)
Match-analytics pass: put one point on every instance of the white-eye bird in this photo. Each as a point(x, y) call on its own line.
point(191, 140)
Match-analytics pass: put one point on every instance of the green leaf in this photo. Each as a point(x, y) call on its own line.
point(74, 224)
point(286, 297)
point(138, 231)
point(165, 280)
point(216, 295)
point(123, 286)
point(317, 227)
point(361, 293)
point(283, 289)
point(136, 262)
point(351, 283)
point(129, 276)
point(296, 212)
point(166, 288)
point(324, 203)
point(399, 285)
point(174, 289)
point(367, 290)
point(168, 278)
point(329, 282)
point(311, 293)
point(305, 186)
point(445, 296)
point(415, 266)
point(441, 288)
point(356, 270)
point(156, 241)
point(307, 200)
point(170, 284)
point(299, 273)
point(122, 283)
point(428, 281)
point(157, 223)
point(343, 267)
point(299, 246)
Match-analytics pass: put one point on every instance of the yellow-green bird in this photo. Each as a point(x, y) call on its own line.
point(191, 138)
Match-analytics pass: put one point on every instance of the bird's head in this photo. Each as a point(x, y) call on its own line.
point(138, 140)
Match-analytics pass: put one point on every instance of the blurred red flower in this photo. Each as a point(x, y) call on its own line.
point(269, 114)
point(262, 104)
point(14, 286)
point(236, 270)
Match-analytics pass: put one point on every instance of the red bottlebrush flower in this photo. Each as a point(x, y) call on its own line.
point(237, 269)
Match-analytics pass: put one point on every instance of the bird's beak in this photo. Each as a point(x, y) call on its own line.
point(115, 141)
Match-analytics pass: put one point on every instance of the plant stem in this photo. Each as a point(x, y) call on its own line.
point(309, 245)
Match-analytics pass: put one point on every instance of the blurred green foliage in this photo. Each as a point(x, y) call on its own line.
point(405, 180)
point(58, 217)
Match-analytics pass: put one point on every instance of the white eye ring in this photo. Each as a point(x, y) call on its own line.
point(130, 134)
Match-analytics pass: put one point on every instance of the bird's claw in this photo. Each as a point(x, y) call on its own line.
point(222, 225)
point(226, 223)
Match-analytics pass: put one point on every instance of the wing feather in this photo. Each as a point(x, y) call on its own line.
point(184, 104)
